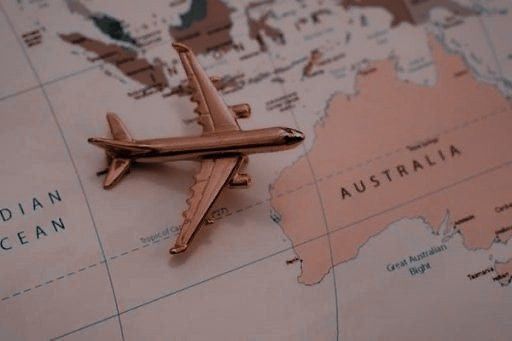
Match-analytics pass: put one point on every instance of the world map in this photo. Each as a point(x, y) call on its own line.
point(392, 221)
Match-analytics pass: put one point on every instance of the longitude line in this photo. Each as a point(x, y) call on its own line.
point(324, 217)
point(61, 132)
point(490, 44)
point(337, 228)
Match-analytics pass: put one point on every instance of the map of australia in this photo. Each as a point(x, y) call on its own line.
point(392, 222)
point(423, 169)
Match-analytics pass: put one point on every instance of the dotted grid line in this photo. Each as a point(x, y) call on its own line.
point(281, 251)
point(291, 191)
point(71, 159)
point(111, 258)
point(82, 269)
point(228, 214)
point(328, 176)
point(460, 126)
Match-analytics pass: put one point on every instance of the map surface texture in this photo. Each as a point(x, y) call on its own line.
point(392, 221)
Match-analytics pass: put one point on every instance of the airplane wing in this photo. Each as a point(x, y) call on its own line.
point(214, 114)
point(209, 181)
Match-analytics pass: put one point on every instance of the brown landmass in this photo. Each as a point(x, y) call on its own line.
point(398, 150)
point(411, 11)
point(504, 271)
point(397, 8)
point(259, 26)
point(314, 58)
point(152, 76)
point(213, 32)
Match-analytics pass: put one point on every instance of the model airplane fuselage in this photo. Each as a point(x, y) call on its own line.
point(199, 147)
point(222, 149)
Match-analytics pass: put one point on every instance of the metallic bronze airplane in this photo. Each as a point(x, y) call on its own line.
point(222, 149)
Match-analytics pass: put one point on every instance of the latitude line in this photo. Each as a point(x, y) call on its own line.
point(71, 74)
point(77, 72)
point(458, 126)
point(74, 73)
point(389, 209)
point(167, 41)
point(44, 84)
point(20, 92)
point(51, 81)
point(68, 150)
point(84, 327)
point(174, 292)
point(461, 125)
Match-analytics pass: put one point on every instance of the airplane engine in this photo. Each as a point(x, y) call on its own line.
point(240, 181)
point(241, 110)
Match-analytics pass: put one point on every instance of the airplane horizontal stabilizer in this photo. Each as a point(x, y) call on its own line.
point(116, 170)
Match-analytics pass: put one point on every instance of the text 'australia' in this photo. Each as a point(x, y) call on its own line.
point(414, 166)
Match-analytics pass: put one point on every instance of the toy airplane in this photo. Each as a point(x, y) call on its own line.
point(222, 149)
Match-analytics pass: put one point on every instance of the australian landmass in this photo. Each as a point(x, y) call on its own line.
point(410, 11)
point(398, 150)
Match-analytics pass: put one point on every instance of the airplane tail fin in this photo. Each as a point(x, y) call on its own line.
point(117, 128)
point(114, 148)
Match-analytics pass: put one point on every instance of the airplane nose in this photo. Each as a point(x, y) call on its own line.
point(294, 136)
